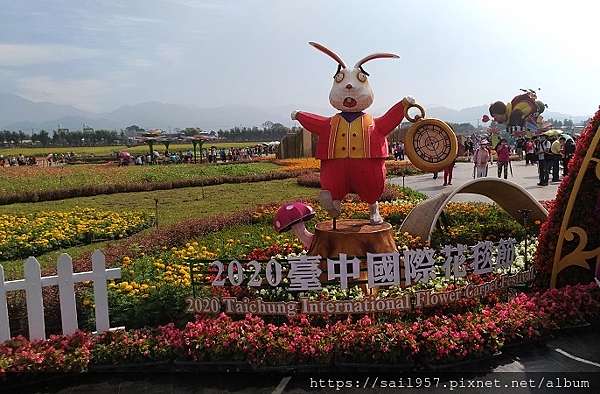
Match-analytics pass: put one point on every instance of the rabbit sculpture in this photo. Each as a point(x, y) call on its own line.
point(352, 145)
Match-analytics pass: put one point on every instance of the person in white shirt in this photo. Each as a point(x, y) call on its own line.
point(543, 153)
point(481, 158)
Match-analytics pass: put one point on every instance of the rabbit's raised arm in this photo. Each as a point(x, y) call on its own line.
point(387, 122)
point(314, 123)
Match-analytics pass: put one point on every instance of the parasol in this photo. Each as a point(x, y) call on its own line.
point(567, 137)
point(553, 133)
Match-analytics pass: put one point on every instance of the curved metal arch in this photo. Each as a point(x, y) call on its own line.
point(508, 195)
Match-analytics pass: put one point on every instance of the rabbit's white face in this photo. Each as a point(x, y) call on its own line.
point(351, 91)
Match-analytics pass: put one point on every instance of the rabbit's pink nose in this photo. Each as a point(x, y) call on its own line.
point(349, 86)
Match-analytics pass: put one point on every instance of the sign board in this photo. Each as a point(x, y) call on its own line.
point(406, 302)
point(303, 273)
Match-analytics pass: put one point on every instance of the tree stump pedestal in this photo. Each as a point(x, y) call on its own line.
point(354, 238)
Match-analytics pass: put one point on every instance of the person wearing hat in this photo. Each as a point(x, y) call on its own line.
point(481, 157)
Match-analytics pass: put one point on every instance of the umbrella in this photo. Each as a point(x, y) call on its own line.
point(553, 133)
point(567, 137)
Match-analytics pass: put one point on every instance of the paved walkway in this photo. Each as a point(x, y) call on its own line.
point(525, 176)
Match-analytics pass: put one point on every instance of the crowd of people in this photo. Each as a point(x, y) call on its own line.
point(397, 150)
point(549, 153)
point(224, 155)
point(50, 160)
point(60, 158)
point(210, 155)
point(125, 158)
point(19, 160)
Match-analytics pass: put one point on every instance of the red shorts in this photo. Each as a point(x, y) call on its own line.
point(365, 177)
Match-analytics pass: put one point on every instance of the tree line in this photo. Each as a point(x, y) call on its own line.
point(566, 123)
point(86, 137)
point(268, 131)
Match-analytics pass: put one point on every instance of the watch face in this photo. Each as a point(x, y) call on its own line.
point(431, 145)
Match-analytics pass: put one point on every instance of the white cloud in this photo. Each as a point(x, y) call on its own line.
point(197, 4)
point(137, 62)
point(132, 21)
point(82, 93)
point(8, 73)
point(29, 54)
point(170, 54)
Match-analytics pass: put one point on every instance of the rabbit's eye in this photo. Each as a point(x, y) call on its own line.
point(339, 77)
point(362, 77)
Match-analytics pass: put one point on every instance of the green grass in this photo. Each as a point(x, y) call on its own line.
point(17, 179)
point(107, 150)
point(174, 205)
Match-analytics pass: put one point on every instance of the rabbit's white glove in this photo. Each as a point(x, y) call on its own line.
point(409, 99)
point(294, 113)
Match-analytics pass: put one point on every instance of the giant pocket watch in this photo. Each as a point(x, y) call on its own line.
point(430, 144)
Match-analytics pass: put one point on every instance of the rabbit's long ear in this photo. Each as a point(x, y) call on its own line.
point(329, 53)
point(375, 56)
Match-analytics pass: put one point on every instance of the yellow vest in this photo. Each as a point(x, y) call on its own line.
point(350, 140)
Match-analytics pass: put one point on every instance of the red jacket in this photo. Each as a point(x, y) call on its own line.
point(375, 131)
point(503, 153)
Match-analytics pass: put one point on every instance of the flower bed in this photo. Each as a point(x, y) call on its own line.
point(36, 233)
point(113, 180)
point(153, 284)
point(156, 278)
point(307, 164)
point(310, 179)
point(34, 184)
point(22, 179)
point(585, 214)
point(156, 264)
point(424, 342)
point(401, 168)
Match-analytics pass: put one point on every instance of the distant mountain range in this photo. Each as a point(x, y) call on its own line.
point(474, 114)
point(18, 113)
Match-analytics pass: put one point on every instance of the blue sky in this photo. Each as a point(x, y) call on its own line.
point(98, 55)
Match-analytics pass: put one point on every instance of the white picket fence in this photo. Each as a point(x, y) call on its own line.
point(65, 279)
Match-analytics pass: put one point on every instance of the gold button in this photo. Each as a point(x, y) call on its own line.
point(353, 134)
point(343, 148)
point(353, 148)
point(343, 134)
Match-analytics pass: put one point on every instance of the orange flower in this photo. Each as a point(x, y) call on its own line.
point(300, 164)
